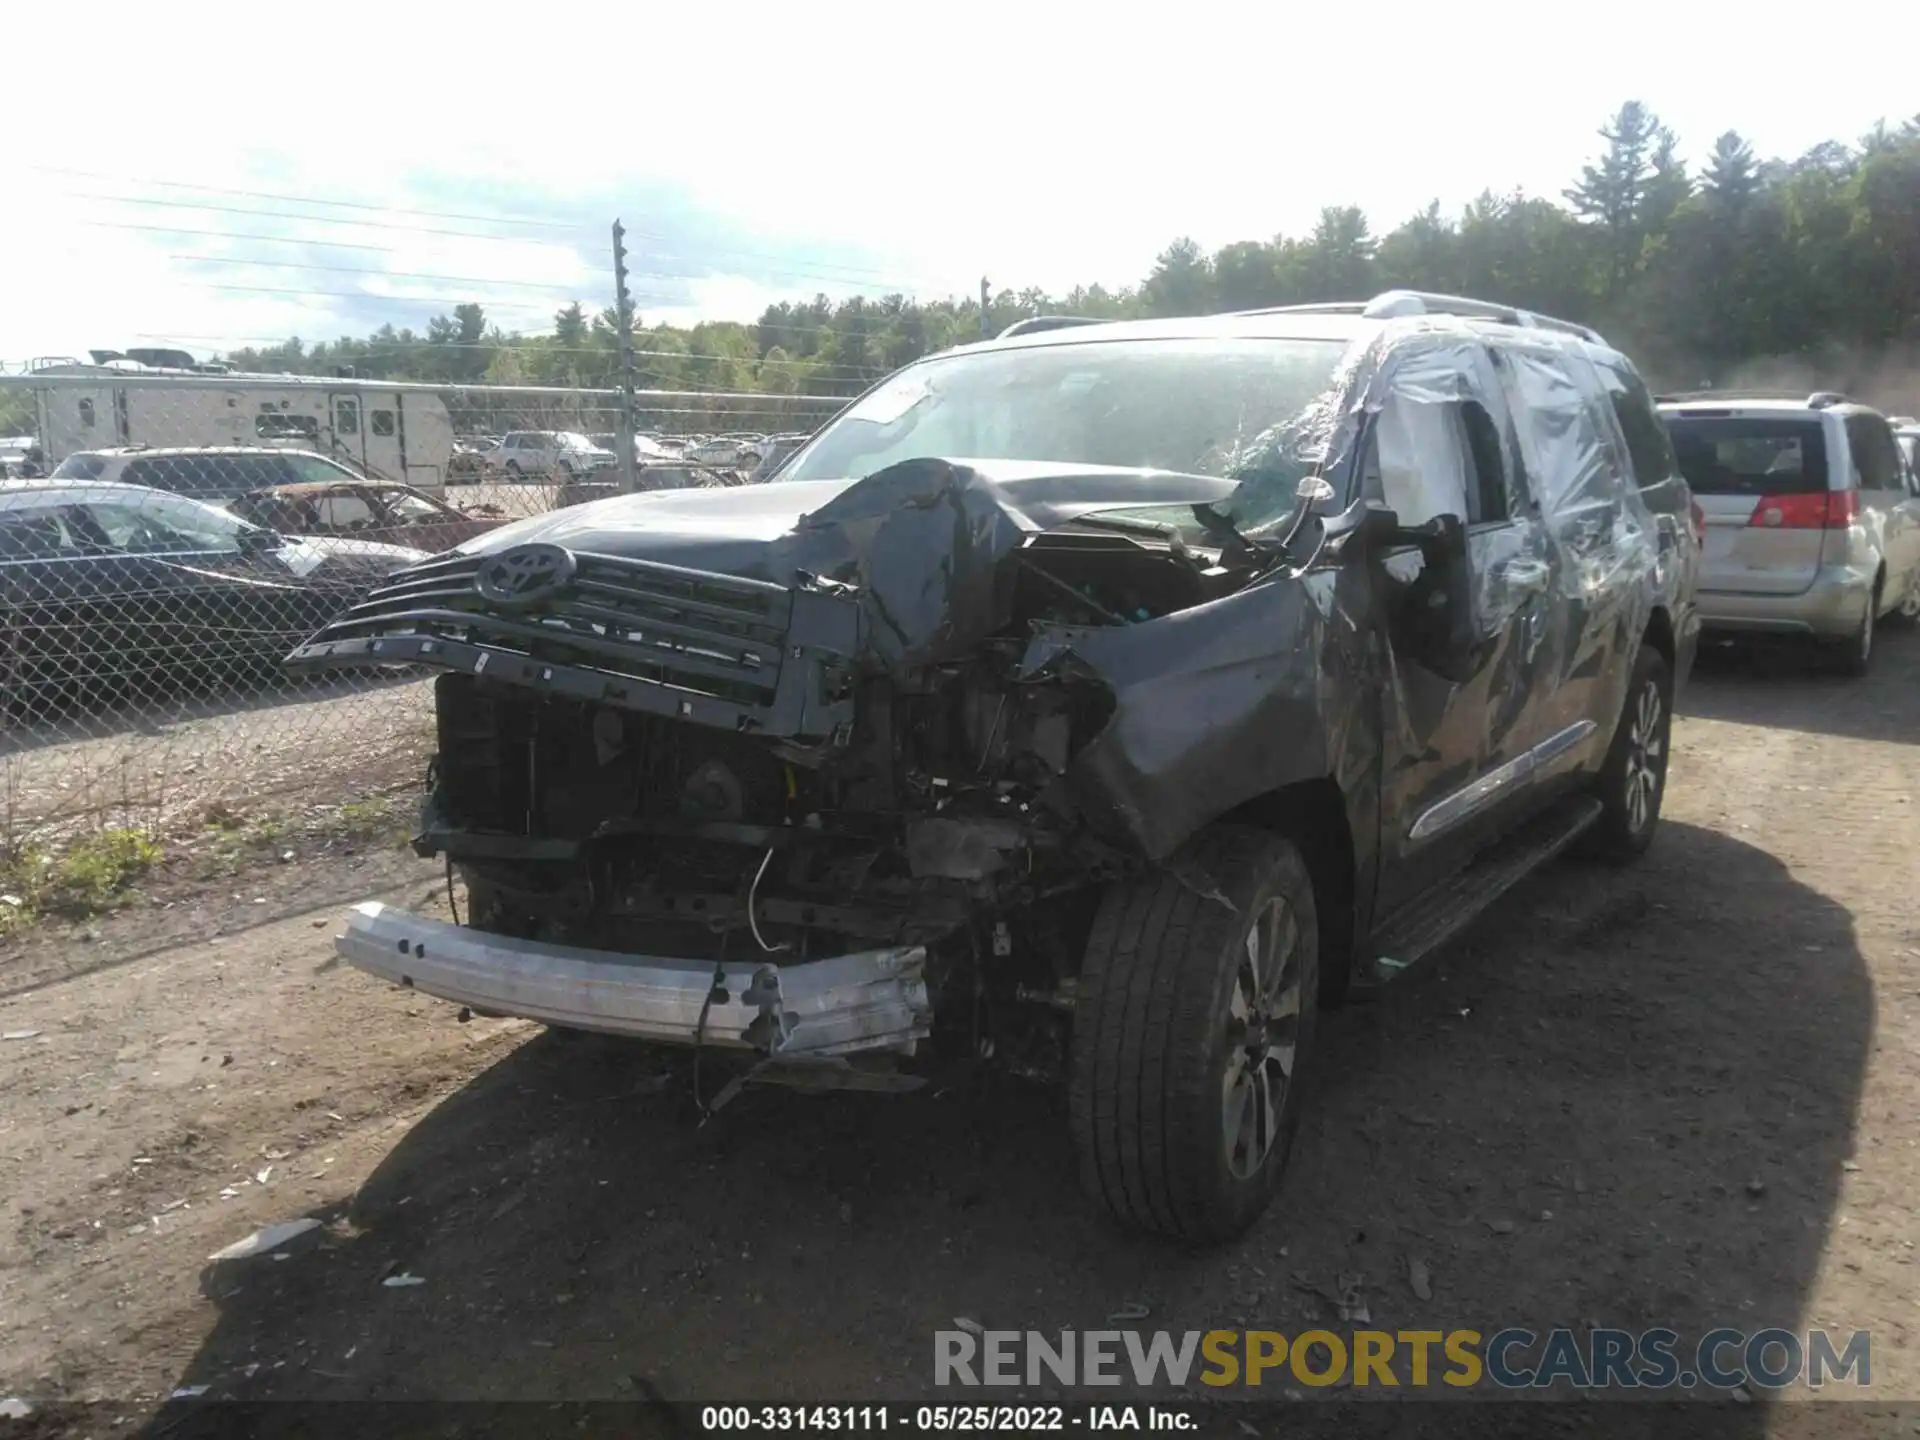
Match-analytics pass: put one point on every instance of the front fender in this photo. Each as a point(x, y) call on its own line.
point(1220, 705)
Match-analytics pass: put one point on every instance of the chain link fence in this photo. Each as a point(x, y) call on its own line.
point(167, 538)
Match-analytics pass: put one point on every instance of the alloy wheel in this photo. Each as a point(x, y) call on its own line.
point(1263, 1035)
point(1646, 745)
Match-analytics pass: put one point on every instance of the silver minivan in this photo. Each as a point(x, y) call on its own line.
point(1813, 516)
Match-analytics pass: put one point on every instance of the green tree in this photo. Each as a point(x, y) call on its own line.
point(1181, 282)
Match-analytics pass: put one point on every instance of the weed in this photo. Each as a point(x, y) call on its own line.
point(94, 874)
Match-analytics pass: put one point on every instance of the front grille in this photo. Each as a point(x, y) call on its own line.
point(716, 649)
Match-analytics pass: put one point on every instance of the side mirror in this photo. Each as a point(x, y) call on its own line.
point(1438, 539)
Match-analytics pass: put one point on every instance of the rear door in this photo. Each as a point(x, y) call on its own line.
point(1443, 444)
point(1762, 478)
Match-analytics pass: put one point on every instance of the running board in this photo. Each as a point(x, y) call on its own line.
point(1434, 918)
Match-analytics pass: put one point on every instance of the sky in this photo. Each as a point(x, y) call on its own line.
point(210, 175)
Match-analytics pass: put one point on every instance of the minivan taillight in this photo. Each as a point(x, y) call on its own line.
point(1821, 510)
point(1698, 519)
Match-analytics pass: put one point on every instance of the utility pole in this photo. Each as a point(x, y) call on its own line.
point(623, 308)
point(983, 307)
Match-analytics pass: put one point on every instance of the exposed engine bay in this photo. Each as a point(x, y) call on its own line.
point(942, 820)
point(881, 751)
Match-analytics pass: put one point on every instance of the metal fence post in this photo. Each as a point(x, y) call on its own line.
point(623, 306)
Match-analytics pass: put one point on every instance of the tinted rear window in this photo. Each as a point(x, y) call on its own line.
point(1732, 455)
point(206, 477)
point(80, 467)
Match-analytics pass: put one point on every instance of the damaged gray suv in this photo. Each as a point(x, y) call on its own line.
point(1100, 701)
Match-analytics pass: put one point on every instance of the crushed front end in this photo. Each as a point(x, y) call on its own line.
point(826, 820)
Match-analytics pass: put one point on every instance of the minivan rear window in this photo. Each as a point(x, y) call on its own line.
point(1750, 455)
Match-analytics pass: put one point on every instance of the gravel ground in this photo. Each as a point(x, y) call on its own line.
point(1679, 1094)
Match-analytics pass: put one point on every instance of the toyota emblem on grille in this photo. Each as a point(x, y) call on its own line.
point(524, 574)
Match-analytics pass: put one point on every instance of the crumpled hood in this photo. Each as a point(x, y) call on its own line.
point(728, 528)
point(926, 545)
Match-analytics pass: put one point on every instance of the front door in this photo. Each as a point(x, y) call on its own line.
point(385, 438)
point(349, 432)
point(1462, 711)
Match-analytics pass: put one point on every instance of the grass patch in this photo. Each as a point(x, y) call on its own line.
point(93, 875)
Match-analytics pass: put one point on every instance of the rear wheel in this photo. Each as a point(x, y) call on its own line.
point(1191, 1033)
point(1633, 781)
point(513, 468)
point(1855, 653)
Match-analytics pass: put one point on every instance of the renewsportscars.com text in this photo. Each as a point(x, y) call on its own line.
point(1510, 1359)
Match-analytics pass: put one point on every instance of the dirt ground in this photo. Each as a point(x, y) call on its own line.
point(1679, 1094)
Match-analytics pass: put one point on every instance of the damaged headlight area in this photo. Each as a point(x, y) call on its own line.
point(642, 760)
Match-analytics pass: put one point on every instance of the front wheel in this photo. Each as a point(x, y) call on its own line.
point(1192, 1031)
point(1633, 781)
point(1909, 607)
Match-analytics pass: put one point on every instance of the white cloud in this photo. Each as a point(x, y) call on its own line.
point(885, 147)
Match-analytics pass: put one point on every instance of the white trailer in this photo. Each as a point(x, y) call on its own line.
point(394, 432)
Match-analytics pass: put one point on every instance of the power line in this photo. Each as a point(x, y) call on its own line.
point(824, 269)
point(575, 227)
point(367, 295)
point(311, 200)
point(260, 214)
point(314, 244)
point(363, 270)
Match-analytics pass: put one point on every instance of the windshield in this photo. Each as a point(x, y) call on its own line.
point(314, 470)
point(408, 506)
point(1225, 408)
point(173, 522)
point(567, 440)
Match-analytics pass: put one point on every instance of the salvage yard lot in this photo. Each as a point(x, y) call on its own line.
point(1683, 1094)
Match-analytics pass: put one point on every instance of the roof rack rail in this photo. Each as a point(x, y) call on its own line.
point(1034, 324)
point(1821, 399)
point(1392, 304)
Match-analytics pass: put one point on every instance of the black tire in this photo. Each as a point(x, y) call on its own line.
point(1854, 655)
point(1907, 611)
point(513, 468)
point(1633, 781)
point(1155, 1029)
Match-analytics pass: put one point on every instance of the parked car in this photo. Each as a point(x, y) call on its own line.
point(216, 473)
point(104, 586)
point(727, 452)
point(1906, 431)
point(367, 510)
point(550, 452)
point(775, 450)
point(1103, 701)
point(1813, 518)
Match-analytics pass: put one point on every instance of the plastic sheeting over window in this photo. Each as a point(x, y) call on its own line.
point(1566, 462)
point(1420, 453)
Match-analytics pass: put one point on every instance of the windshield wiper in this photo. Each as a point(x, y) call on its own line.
point(1234, 547)
point(1117, 522)
point(1311, 489)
